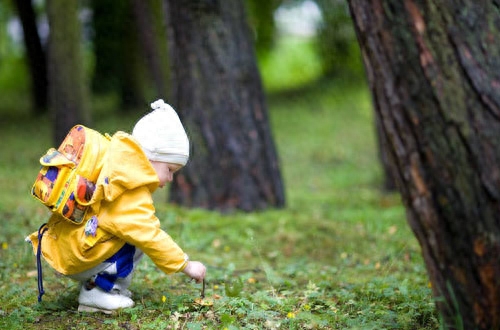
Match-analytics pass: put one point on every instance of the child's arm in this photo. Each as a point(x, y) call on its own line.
point(196, 270)
point(131, 217)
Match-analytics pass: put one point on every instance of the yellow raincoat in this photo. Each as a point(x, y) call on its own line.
point(125, 213)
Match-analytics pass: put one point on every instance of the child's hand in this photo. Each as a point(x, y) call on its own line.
point(196, 270)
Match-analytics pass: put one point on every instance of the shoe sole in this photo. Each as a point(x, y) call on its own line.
point(90, 309)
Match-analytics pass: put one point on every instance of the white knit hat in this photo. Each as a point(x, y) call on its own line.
point(162, 136)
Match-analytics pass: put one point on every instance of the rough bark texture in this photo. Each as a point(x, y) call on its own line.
point(218, 92)
point(434, 71)
point(35, 54)
point(68, 90)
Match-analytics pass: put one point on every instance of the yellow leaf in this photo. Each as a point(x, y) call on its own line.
point(203, 302)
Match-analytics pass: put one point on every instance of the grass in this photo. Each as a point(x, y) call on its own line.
point(339, 256)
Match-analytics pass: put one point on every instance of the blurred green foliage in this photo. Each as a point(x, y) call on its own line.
point(260, 16)
point(115, 63)
point(337, 44)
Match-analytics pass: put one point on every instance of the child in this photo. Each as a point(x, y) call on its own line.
point(103, 252)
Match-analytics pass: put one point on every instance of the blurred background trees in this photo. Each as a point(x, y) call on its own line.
point(125, 49)
point(35, 55)
point(129, 50)
point(68, 92)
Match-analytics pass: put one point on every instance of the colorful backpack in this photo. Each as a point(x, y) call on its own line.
point(66, 181)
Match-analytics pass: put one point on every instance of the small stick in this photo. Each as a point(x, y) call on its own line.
point(203, 290)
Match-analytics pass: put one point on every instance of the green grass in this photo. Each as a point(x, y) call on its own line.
point(339, 256)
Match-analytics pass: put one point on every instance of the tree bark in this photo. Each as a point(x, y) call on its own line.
point(389, 183)
point(35, 55)
point(218, 92)
point(434, 71)
point(68, 90)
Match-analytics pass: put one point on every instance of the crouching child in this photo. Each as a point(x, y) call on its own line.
point(121, 226)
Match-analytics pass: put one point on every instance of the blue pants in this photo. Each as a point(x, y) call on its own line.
point(114, 273)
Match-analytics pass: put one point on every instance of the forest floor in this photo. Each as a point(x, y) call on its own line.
point(340, 255)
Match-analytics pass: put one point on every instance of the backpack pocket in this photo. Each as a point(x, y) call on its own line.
point(59, 187)
point(50, 181)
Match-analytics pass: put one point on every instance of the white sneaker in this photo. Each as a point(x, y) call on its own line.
point(97, 300)
point(127, 293)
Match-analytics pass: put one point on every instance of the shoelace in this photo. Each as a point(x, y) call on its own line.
point(41, 231)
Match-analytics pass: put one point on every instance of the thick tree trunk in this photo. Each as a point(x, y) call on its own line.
point(434, 71)
point(218, 92)
point(35, 54)
point(68, 90)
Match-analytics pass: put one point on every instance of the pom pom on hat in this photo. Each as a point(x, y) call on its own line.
point(162, 136)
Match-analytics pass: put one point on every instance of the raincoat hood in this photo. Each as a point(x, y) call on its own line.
point(134, 169)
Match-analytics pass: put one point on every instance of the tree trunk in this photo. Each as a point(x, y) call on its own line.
point(218, 92)
point(109, 19)
point(118, 66)
point(35, 54)
point(68, 90)
point(389, 183)
point(434, 71)
point(153, 48)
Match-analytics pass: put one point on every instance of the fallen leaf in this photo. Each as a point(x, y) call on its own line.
point(203, 302)
point(32, 273)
